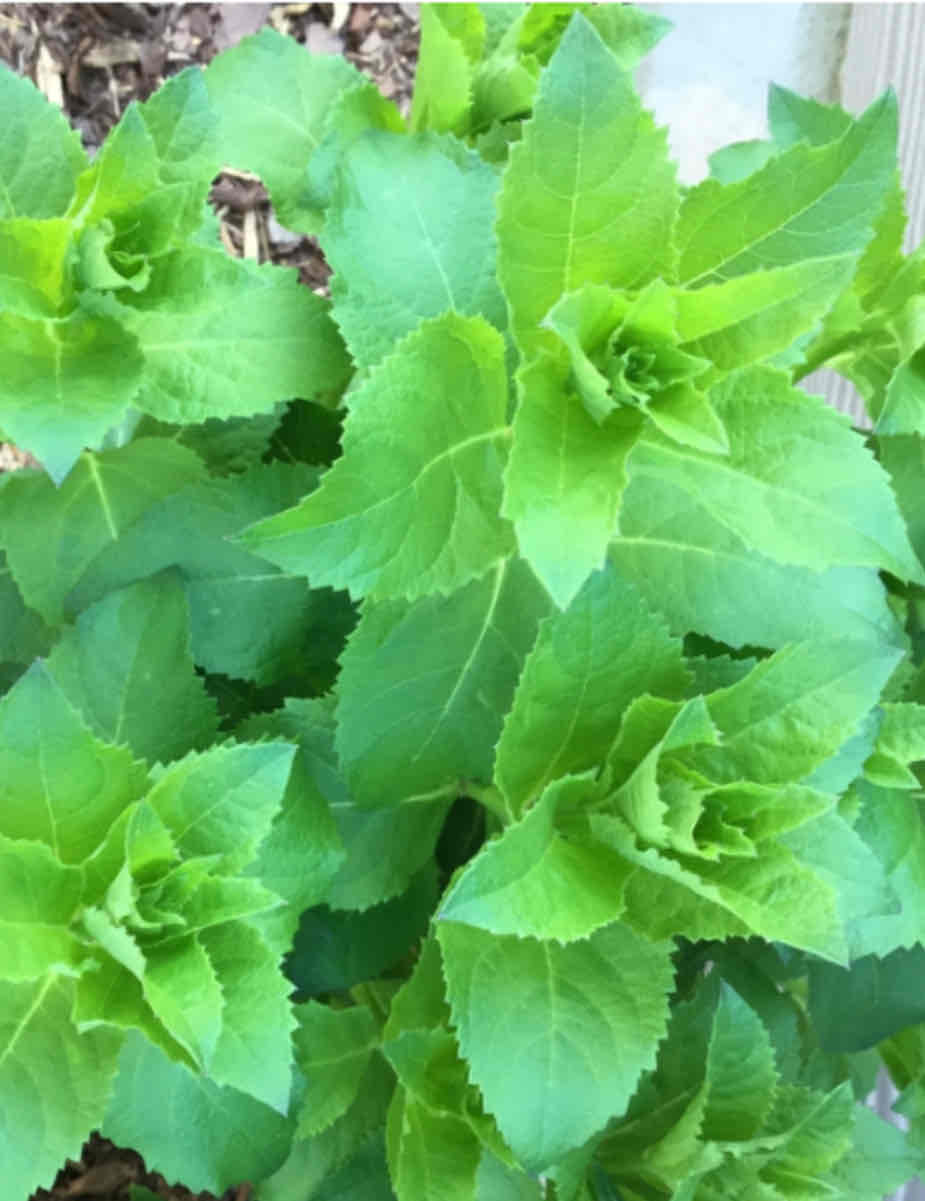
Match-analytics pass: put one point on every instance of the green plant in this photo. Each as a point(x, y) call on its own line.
point(557, 732)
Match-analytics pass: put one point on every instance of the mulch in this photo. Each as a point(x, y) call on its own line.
point(93, 60)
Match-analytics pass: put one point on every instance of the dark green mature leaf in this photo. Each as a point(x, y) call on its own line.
point(210, 1137)
point(126, 666)
point(23, 634)
point(336, 949)
point(815, 202)
point(556, 1037)
point(409, 236)
point(273, 99)
point(587, 665)
point(858, 1007)
point(589, 194)
point(424, 687)
point(41, 155)
point(333, 1050)
point(425, 520)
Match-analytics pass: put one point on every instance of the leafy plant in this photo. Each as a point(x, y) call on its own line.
point(518, 797)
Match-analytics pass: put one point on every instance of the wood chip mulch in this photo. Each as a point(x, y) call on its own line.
point(92, 60)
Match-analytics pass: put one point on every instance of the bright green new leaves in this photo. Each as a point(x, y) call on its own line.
point(564, 478)
point(41, 155)
point(101, 499)
point(424, 687)
point(208, 1136)
point(64, 383)
point(33, 279)
point(58, 784)
point(534, 883)
point(900, 742)
point(126, 666)
point(587, 665)
point(589, 195)
point(555, 1036)
point(807, 203)
point(797, 485)
point(222, 802)
point(39, 899)
point(421, 515)
point(273, 99)
point(54, 1082)
point(409, 236)
point(222, 337)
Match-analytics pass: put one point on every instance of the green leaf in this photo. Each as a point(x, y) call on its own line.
point(903, 410)
point(794, 710)
point(222, 801)
point(336, 949)
point(426, 520)
point(274, 100)
point(749, 318)
point(184, 129)
point(126, 666)
point(589, 194)
point(33, 258)
point(254, 1049)
point(587, 665)
point(432, 1156)
point(534, 883)
point(58, 784)
point(223, 337)
point(183, 991)
point(857, 1007)
point(565, 477)
point(892, 823)
point(41, 156)
point(424, 687)
point(246, 618)
point(687, 563)
point(452, 37)
point(54, 1082)
point(740, 1072)
point(39, 898)
point(101, 499)
point(806, 203)
point(333, 1048)
point(122, 174)
point(804, 490)
point(738, 160)
point(409, 235)
point(65, 383)
point(210, 1137)
point(23, 634)
point(900, 741)
point(556, 1037)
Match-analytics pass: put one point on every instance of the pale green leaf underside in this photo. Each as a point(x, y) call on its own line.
point(589, 195)
point(419, 515)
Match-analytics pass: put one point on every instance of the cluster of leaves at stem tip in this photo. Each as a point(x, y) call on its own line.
point(458, 737)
